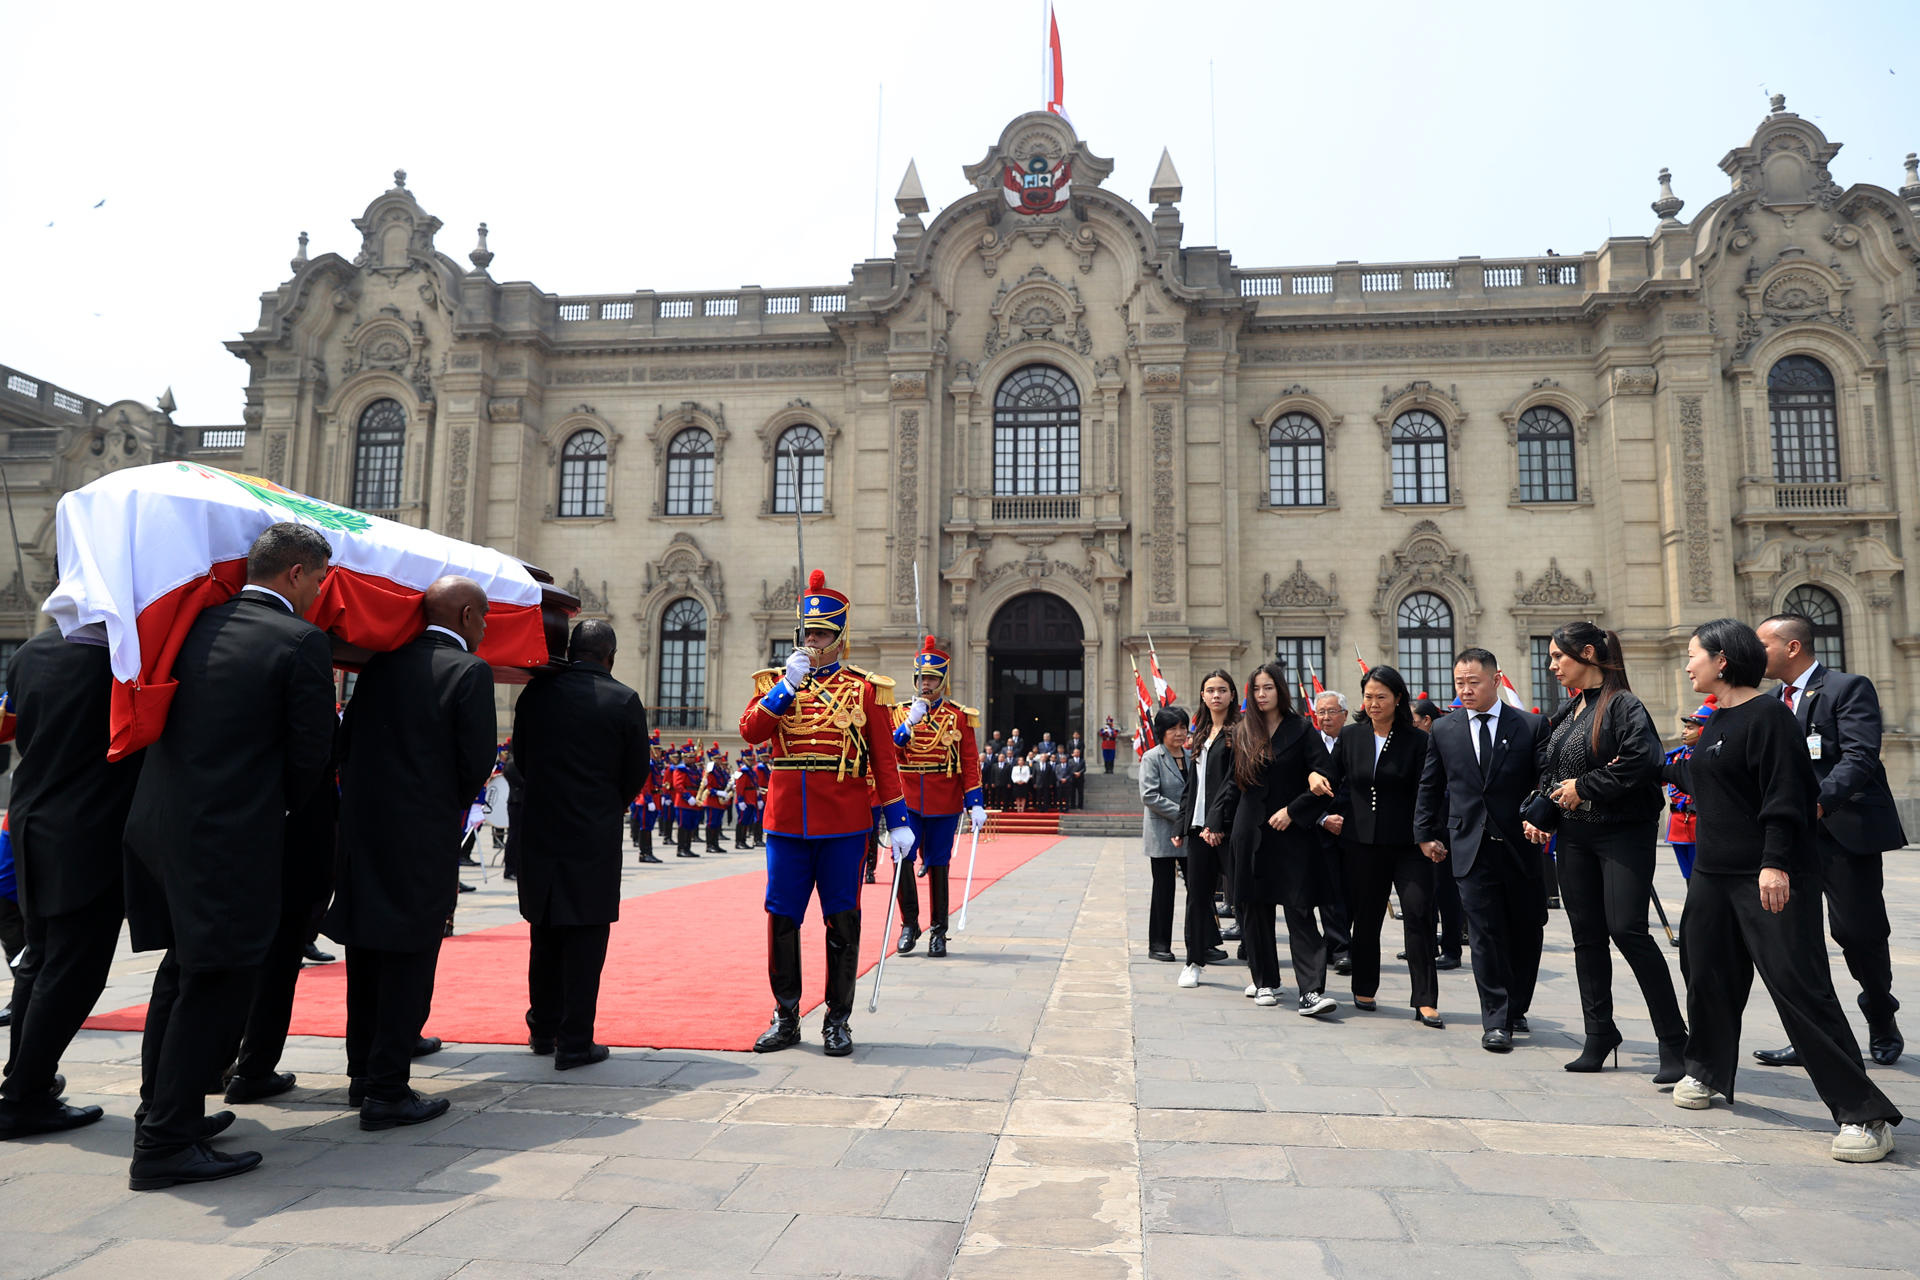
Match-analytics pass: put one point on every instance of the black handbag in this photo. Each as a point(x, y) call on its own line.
point(1541, 811)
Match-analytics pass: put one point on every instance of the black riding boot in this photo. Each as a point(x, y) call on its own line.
point(740, 830)
point(909, 900)
point(783, 975)
point(843, 976)
point(713, 838)
point(686, 842)
point(937, 912)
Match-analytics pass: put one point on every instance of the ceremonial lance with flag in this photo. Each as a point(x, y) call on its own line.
point(940, 773)
point(827, 726)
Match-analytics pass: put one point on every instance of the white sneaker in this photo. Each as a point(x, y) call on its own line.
point(1252, 991)
point(1314, 1003)
point(1694, 1096)
point(1267, 996)
point(1190, 976)
point(1863, 1143)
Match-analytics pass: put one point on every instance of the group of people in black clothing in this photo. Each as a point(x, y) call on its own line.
point(1046, 777)
point(1791, 802)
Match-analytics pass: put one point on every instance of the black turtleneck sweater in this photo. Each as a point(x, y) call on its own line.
point(1754, 789)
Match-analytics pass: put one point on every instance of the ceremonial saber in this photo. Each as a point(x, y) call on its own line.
point(967, 895)
point(1662, 912)
point(886, 934)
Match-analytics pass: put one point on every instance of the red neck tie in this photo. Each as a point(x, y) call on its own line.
point(1787, 695)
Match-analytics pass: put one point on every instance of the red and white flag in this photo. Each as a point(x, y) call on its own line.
point(1161, 686)
point(1053, 70)
point(144, 550)
point(1509, 694)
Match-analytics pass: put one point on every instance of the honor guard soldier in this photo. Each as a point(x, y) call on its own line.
point(827, 725)
point(686, 786)
point(746, 800)
point(664, 770)
point(715, 784)
point(940, 773)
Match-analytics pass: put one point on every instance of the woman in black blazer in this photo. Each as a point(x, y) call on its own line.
point(1270, 814)
point(1207, 764)
point(1373, 782)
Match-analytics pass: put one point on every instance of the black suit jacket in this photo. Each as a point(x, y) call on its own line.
point(1269, 865)
point(248, 737)
point(69, 807)
point(1377, 800)
point(1460, 809)
point(416, 744)
point(580, 738)
point(1845, 711)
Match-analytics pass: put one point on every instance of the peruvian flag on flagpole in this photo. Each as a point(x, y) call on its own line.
point(1509, 694)
point(1053, 72)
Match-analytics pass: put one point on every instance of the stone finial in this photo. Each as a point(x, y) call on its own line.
point(399, 179)
point(1668, 206)
point(911, 198)
point(481, 255)
point(166, 401)
point(300, 258)
point(1911, 191)
point(1779, 103)
point(1165, 187)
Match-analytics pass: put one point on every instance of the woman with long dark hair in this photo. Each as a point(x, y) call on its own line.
point(1601, 765)
point(1754, 900)
point(1207, 764)
point(1374, 779)
point(1265, 805)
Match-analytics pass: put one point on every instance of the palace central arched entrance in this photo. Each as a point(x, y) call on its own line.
point(1036, 676)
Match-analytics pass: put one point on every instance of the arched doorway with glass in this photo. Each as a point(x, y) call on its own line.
point(1036, 677)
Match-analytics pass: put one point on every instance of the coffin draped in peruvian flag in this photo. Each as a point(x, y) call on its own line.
point(144, 550)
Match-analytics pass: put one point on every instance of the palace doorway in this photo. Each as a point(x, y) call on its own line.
point(1036, 678)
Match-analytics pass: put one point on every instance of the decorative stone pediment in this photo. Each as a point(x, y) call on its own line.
point(1792, 290)
point(1553, 588)
point(123, 435)
point(1420, 394)
point(1426, 561)
point(396, 234)
point(684, 568)
point(1037, 307)
point(1785, 164)
point(1549, 392)
point(796, 413)
point(592, 603)
point(390, 343)
point(1299, 605)
point(1043, 134)
point(688, 413)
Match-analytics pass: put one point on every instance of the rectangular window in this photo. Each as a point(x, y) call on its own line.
point(376, 473)
point(1546, 471)
point(1805, 442)
point(690, 486)
point(1296, 475)
point(1548, 694)
point(1303, 657)
point(1420, 471)
point(813, 483)
point(1036, 458)
point(777, 652)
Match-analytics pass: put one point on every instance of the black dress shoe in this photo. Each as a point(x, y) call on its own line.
point(836, 1036)
point(1216, 954)
point(541, 1047)
point(782, 1033)
point(1230, 934)
point(217, 1123)
point(467, 888)
point(18, 1120)
point(1160, 954)
point(1433, 1020)
point(1496, 1041)
point(567, 1060)
point(647, 857)
point(1518, 1026)
point(425, 1046)
point(909, 936)
point(686, 853)
point(243, 1089)
point(314, 955)
point(58, 1087)
point(1447, 962)
point(869, 875)
point(376, 1113)
point(197, 1163)
point(1787, 1057)
point(1885, 1043)
point(936, 944)
point(1343, 966)
point(468, 860)
point(1399, 955)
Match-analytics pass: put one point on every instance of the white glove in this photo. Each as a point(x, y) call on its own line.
point(799, 667)
point(979, 812)
point(917, 712)
point(901, 839)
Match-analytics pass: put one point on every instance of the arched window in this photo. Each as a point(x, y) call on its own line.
point(683, 665)
point(1806, 434)
point(1820, 608)
point(583, 474)
point(1546, 456)
point(1296, 462)
point(1036, 433)
point(1426, 646)
point(377, 445)
point(690, 473)
point(806, 442)
point(1419, 458)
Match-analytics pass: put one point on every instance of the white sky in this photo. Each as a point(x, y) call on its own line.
point(685, 146)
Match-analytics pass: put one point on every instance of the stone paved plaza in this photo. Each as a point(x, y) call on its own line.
point(1046, 1103)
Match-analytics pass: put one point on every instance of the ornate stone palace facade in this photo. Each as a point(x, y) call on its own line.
point(1052, 428)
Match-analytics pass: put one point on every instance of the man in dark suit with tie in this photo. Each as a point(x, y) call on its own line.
point(247, 738)
point(581, 737)
point(67, 815)
point(1839, 716)
point(416, 743)
point(1480, 768)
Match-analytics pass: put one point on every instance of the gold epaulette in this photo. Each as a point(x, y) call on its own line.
point(970, 714)
point(882, 685)
point(763, 681)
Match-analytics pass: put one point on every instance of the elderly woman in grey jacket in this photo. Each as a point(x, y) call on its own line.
point(1162, 780)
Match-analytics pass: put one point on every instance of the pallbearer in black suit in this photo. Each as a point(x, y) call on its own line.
point(1480, 768)
point(582, 739)
point(1839, 718)
point(1373, 782)
point(248, 737)
point(67, 814)
point(415, 745)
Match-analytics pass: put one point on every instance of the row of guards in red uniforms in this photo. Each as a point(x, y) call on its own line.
point(685, 792)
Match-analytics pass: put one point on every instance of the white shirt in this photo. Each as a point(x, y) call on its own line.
point(1022, 773)
point(1379, 745)
point(1200, 776)
point(1493, 725)
point(460, 639)
point(1799, 684)
point(269, 591)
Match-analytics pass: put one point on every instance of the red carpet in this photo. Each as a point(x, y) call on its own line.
point(686, 967)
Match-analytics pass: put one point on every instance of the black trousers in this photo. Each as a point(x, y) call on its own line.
point(1506, 909)
point(389, 994)
point(1372, 871)
point(13, 929)
point(510, 856)
point(61, 974)
point(1160, 907)
point(1606, 884)
point(1728, 935)
point(564, 963)
point(1203, 872)
point(1857, 914)
point(271, 1011)
point(193, 1019)
point(1446, 905)
point(1306, 947)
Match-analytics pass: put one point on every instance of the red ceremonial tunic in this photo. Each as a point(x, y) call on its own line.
point(835, 733)
point(940, 761)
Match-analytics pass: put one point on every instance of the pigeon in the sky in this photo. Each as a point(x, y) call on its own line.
point(103, 200)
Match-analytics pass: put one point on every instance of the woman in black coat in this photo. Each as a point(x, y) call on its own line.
point(1373, 782)
point(1207, 764)
point(1270, 814)
point(1601, 765)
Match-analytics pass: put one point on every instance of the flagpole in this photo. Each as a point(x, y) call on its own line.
point(879, 118)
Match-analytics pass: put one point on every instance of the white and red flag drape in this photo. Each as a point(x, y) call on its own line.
point(144, 550)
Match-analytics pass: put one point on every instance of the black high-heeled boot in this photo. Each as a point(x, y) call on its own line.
point(1593, 1055)
point(1673, 1060)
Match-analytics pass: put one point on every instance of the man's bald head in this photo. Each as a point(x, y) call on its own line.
point(459, 605)
point(593, 641)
